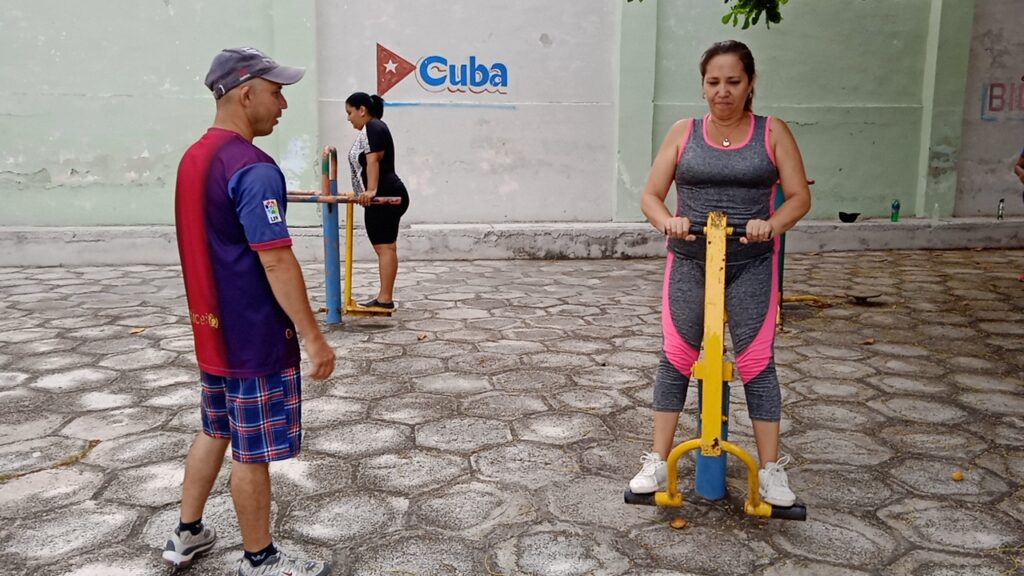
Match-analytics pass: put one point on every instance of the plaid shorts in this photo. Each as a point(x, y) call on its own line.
point(262, 415)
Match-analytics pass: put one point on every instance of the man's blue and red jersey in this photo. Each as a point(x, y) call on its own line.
point(230, 203)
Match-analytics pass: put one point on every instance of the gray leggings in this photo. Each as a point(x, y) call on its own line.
point(751, 298)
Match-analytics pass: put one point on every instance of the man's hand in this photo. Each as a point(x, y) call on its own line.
point(321, 356)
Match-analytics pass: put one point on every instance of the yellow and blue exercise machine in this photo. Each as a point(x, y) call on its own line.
point(329, 198)
point(713, 374)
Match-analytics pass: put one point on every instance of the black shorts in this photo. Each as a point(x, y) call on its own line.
point(382, 220)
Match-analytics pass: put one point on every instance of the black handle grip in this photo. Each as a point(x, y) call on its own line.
point(697, 229)
point(639, 499)
point(794, 512)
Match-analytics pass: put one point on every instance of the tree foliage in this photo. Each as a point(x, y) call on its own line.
point(751, 11)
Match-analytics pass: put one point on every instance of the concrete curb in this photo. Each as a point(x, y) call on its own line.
point(126, 245)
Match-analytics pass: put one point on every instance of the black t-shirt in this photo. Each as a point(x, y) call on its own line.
point(378, 139)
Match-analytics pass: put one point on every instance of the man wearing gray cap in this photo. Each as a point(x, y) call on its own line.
point(246, 300)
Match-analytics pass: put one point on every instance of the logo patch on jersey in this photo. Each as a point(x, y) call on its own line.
point(273, 213)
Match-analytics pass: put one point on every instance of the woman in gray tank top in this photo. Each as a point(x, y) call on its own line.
point(733, 161)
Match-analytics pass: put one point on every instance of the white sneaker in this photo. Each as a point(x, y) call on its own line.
point(775, 484)
point(281, 564)
point(651, 477)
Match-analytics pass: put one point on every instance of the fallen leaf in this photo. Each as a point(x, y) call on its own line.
point(137, 330)
point(321, 310)
point(868, 342)
point(421, 337)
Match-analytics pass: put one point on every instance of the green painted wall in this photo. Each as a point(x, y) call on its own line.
point(861, 84)
point(99, 99)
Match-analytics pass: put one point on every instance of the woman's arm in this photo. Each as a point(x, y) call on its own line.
point(792, 177)
point(663, 169)
point(372, 177)
point(1019, 168)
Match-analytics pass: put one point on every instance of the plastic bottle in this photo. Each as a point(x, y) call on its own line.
point(935, 212)
point(895, 215)
point(1001, 209)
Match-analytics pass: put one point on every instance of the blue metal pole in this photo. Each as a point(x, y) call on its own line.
point(332, 245)
point(710, 474)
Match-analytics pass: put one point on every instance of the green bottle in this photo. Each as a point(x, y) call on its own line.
point(895, 215)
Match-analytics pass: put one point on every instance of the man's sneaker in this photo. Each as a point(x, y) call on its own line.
point(775, 484)
point(281, 564)
point(183, 547)
point(651, 477)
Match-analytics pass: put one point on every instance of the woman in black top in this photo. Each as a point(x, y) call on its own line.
point(372, 160)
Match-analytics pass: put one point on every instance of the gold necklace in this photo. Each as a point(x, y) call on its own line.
point(726, 142)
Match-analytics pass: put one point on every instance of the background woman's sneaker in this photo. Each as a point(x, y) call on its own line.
point(775, 484)
point(651, 477)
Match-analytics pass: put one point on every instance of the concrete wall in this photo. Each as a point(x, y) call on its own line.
point(540, 148)
point(99, 98)
point(993, 120)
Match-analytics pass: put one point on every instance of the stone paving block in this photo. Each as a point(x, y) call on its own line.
point(452, 384)
point(560, 429)
point(953, 526)
point(596, 501)
point(36, 454)
point(533, 334)
point(563, 550)
point(416, 553)
point(111, 561)
point(733, 552)
point(590, 401)
point(408, 366)
point(369, 387)
point(462, 434)
point(919, 409)
point(410, 472)
point(42, 347)
point(994, 402)
point(361, 439)
point(27, 335)
point(798, 567)
point(839, 538)
point(841, 487)
point(93, 401)
point(147, 358)
point(503, 406)
point(114, 424)
point(82, 378)
point(909, 385)
point(849, 390)
point(983, 381)
point(16, 426)
point(414, 408)
point(34, 493)
point(608, 377)
point(309, 474)
point(931, 477)
point(337, 519)
point(474, 509)
point(328, 411)
point(836, 447)
point(839, 415)
point(511, 347)
point(929, 563)
point(483, 363)
point(63, 532)
point(525, 464)
point(146, 448)
point(530, 380)
point(825, 369)
point(933, 440)
point(52, 362)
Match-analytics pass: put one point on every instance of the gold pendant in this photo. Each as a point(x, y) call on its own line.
point(726, 143)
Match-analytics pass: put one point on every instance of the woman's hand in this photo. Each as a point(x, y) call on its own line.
point(677, 227)
point(365, 198)
point(758, 231)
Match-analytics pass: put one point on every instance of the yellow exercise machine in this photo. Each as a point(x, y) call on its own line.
point(714, 372)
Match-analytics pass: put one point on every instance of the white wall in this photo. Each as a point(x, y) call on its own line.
point(545, 151)
point(993, 125)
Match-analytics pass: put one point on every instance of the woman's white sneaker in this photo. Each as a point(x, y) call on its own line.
point(651, 477)
point(775, 484)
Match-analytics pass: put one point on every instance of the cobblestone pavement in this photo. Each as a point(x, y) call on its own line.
point(491, 426)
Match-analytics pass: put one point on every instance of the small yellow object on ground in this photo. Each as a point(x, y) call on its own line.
point(958, 475)
point(678, 523)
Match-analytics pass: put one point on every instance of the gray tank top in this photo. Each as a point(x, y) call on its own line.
point(738, 180)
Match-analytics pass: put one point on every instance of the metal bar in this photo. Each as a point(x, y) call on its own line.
point(332, 249)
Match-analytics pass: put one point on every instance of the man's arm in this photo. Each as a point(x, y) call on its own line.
point(289, 287)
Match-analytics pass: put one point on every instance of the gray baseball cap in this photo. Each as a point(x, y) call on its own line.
point(236, 65)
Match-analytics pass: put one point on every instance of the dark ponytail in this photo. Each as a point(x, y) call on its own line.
point(373, 104)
